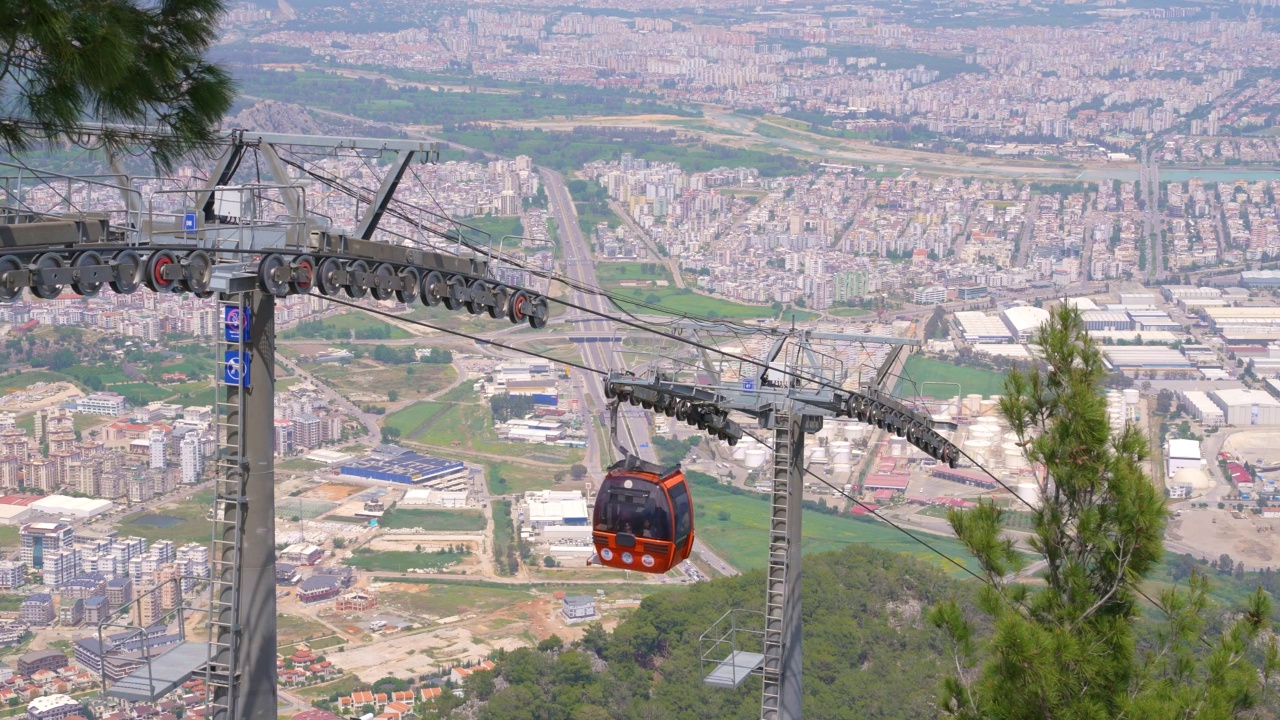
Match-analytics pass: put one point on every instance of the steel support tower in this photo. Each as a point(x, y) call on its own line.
point(247, 243)
point(788, 393)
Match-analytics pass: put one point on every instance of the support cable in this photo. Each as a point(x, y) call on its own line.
point(463, 335)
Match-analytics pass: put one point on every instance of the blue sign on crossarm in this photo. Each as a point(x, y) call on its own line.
point(749, 385)
point(189, 222)
point(236, 323)
point(235, 368)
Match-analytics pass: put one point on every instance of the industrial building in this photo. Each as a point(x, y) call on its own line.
point(438, 498)
point(394, 464)
point(65, 506)
point(1260, 278)
point(1098, 320)
point(1023, 321)
point(1181, 454)
point(1205, 411)
point(1145, 357)
point(1255, 318)
point(979, 327)
point(1247, 407)
point(547, 508)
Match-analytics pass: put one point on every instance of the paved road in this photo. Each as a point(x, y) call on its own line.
point(580, 267)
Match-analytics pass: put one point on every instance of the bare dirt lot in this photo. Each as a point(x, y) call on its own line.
point(334, 491)
point(1251, 539)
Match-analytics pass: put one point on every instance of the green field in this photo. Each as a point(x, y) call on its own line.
point(352, 325)
point(508, 477)
point(193, 512)
point(436, 520)
point(8, 536)
point(368, 381)
point(743, 539)
point(20, 381)
point(498, 227)
point(291, 629)
point(411, 419)
point(847, 312)
point(972, 380)
point(470, 427)
point(677, 301)
point(448, 598)
point(400, 560)
point(141, 393)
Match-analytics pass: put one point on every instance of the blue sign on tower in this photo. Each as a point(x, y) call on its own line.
point(236, 323)
point(235, 368)
point(189, 222)
point(749, 385)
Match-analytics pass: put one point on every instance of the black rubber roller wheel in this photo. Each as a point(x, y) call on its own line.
point(273, 275)
point(327, 276)
point(10, 289)
point(381, 285)
point(539, 312)
point(84, 287)
point(197, 266)
point(354, 289)
point(477, 293)
point(501, 294)
point(46, 291)
point(408, 292)
point(431, 287)
point(128, 272)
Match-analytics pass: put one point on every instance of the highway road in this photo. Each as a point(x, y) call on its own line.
point(580, 267)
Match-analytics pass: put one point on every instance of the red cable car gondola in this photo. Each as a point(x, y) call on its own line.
point(644, 513)
point(643, 518)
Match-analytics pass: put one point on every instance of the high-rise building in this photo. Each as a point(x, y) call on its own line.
point(40, 473)
point(85, 477)
point(157, 449)
point(42, 539)
point(192, 458)
point(141, 489)
point(61, 567)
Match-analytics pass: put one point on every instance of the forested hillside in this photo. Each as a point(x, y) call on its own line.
point(868, 651)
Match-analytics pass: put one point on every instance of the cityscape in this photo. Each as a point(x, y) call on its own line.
point(912, 194)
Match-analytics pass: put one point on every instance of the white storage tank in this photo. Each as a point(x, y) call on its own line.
point(841, 452)
point(818, 455)
point(1013, 457)
point(972, 403)
point(1030, 493)
point(755, 457)
point(1131, 396)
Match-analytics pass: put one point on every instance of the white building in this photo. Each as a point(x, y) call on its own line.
point(53, 707)
point(978, 327)
point(1023, 321)
point(1198, 405)
point(157, 449)
point(929, 295)
point(192, 458)
point(1180, 454)
point(419, 497)
point(577, 608)
point(1247, 407)
point(101, 403)
point(556, 507)
point(65, 506)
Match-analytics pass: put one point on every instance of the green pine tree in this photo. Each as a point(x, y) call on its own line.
point(1068, 648)
point(115, 62)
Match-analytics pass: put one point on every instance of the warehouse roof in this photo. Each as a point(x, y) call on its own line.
point(1025, 318)
point(1244, 396)
point(1184, 449)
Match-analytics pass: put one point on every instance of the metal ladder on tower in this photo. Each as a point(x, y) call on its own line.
point(232, 471)
point(776, 578)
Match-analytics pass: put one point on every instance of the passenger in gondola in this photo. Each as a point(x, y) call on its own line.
point(647, 530)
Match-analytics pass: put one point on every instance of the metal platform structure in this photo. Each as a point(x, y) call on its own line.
point(250, 242)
